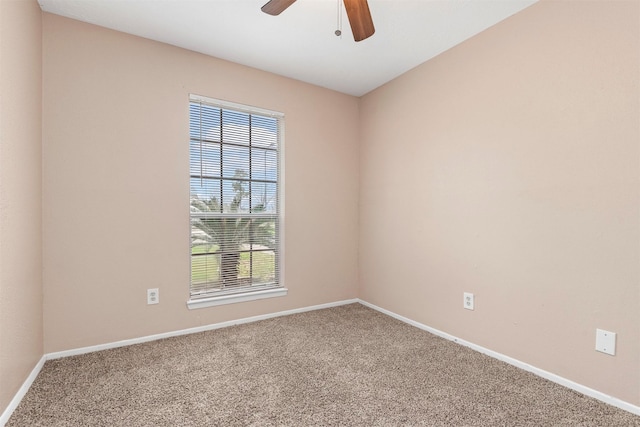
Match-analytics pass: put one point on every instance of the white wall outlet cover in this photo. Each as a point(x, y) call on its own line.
point(606, 342)
point(153, 296)
point(468, 301)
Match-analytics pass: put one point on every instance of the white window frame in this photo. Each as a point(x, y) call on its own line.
point(234, 296)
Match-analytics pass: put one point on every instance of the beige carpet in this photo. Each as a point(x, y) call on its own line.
point(344, 366)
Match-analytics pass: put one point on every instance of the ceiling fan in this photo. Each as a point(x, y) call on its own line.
point(357, 12)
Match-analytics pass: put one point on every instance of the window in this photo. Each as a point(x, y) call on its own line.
point(234, 172)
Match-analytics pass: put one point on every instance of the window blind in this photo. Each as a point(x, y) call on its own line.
point(234, 172)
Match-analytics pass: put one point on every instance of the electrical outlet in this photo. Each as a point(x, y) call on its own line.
point(468, 300)
point(606, 342)
point(153, 296)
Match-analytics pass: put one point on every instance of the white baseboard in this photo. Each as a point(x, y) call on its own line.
point(517, 363)
point(123, 343)
point(22, 391)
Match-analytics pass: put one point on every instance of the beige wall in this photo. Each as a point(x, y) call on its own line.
point(20, 194)
point(509, 167)
point(116, 190)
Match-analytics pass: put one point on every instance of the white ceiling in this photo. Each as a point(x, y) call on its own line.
point(300, 43)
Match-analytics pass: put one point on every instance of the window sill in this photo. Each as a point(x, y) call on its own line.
point(234, 298)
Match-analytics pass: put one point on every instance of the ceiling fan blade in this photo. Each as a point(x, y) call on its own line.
point(359, 18)
point(276, 7)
